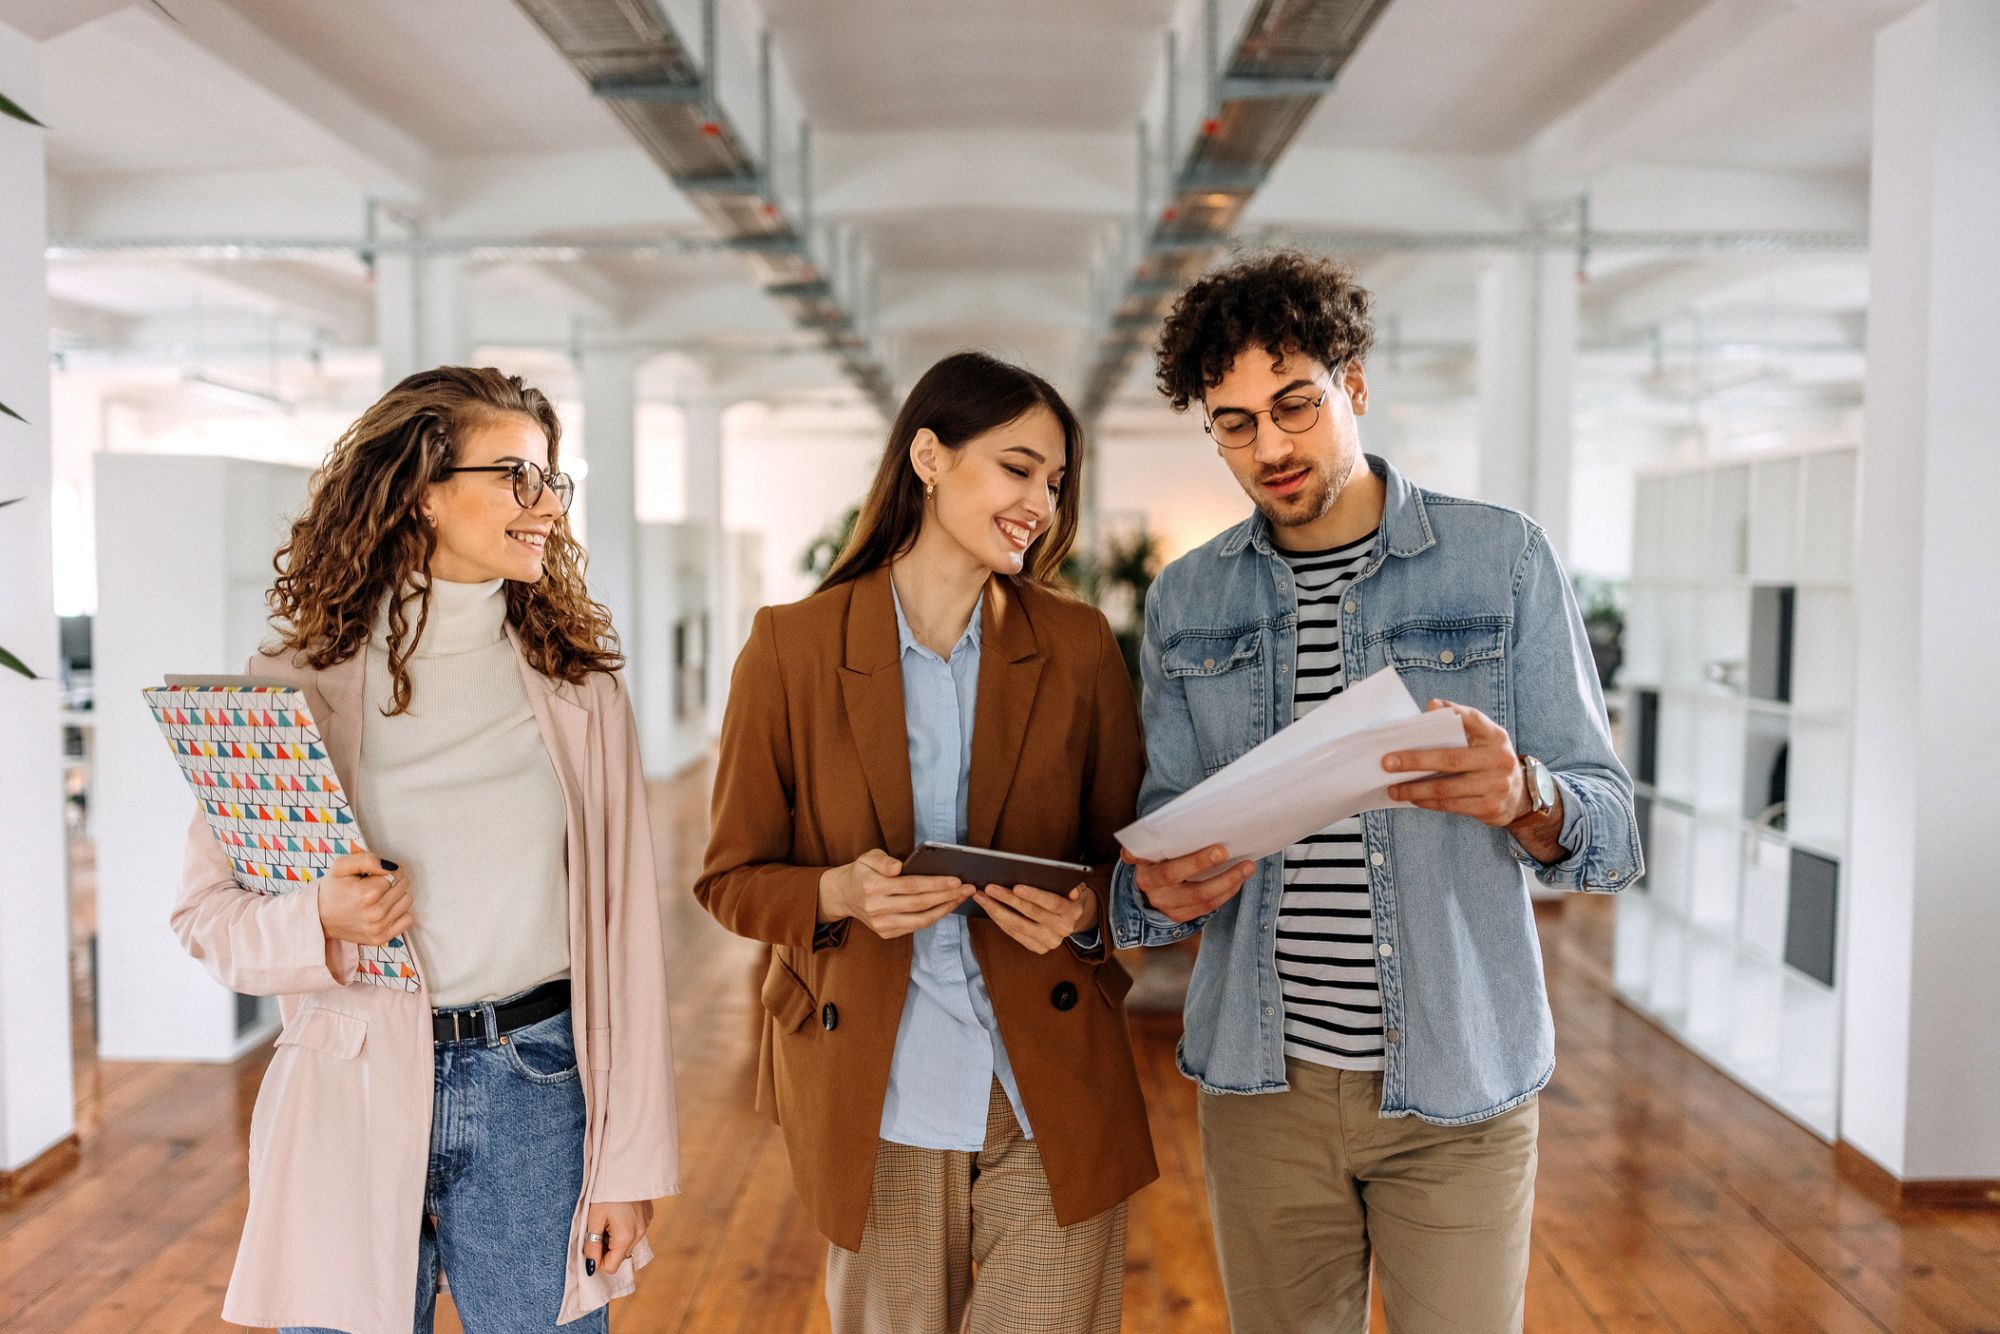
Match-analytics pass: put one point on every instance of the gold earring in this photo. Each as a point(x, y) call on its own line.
point(930, 490)
point(431, 519)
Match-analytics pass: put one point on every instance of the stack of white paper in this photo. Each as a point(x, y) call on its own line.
point(1317, 772)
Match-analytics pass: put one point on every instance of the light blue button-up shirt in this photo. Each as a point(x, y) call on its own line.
point(948, 1047)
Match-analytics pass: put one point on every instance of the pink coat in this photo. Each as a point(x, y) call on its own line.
point(341, 1134)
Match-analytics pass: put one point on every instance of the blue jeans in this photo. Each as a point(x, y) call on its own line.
point(506, 1168)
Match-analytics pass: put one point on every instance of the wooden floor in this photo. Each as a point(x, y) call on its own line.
point(1669, 1199)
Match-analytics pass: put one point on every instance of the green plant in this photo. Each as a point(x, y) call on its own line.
point(823, 550)
point(1116, 579)
point(11, 108)
point(1602, 602)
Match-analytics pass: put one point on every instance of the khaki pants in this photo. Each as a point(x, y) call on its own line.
point(1307, 1186)
point(934, 1214)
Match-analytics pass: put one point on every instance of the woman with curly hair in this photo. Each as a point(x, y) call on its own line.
point(510, 1121)
point(949, 1062)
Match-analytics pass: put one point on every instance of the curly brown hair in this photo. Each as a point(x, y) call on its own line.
point(361, 536)
point(1285, 300)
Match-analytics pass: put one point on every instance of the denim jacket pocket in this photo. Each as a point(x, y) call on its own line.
point(1221, 675)
point(1463, 662)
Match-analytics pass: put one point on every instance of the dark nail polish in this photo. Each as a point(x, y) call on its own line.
point(590, 1268)
point(388, 865)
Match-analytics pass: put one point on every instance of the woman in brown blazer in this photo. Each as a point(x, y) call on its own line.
point(954, 1087)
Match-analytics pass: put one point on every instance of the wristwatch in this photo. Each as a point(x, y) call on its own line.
point(1541, 785)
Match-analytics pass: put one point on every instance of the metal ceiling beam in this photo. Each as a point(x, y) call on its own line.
point(663, 91)
point(1258, 94)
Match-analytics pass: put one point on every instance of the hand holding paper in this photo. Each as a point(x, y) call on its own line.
point(1317, 772)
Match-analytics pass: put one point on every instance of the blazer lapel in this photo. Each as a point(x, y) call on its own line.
point(337, 709)
point(1010, 668)
point(564, 724)
point(871, 685)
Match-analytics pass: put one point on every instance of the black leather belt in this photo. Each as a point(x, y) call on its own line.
point(461, 1025)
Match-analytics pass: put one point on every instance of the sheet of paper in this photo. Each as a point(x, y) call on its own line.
point(1315, 773)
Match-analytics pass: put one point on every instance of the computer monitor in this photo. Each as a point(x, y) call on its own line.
point(75, 648)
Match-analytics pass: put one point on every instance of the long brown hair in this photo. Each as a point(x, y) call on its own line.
point(965, 395)
point(361, 537)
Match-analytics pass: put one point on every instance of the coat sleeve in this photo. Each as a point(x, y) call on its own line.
point(748, 880)
point(257, 944)
point(640, 1155)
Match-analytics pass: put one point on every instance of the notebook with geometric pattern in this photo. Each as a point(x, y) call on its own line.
point(260, 771)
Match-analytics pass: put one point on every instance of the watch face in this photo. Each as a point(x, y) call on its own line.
point(1545, 785)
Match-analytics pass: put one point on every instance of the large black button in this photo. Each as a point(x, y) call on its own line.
point(1064, 996)
point(829, 1016)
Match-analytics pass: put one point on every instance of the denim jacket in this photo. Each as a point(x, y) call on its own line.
point(1469, 604)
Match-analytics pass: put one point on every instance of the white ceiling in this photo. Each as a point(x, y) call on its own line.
point(963, 64)
point(462, 76)
point(982, 152)
point(1466, 76)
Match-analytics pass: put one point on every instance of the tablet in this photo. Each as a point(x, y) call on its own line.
point(981, 867)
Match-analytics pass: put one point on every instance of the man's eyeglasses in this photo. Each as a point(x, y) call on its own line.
point(1233, 428)
point(529, 482)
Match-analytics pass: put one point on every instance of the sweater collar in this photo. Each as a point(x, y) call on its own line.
point(463, 618)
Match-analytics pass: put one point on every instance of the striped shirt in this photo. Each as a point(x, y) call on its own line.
point(1326, 924)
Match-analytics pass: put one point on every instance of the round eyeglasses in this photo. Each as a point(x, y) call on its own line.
point(529, 481)
point(1233, 428)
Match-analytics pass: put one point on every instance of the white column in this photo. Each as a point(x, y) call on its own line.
point(37, 1094)
point(420, 318)
point(703, 463)
point(1920, 1085)
point(610, 431)
point(1527, 357)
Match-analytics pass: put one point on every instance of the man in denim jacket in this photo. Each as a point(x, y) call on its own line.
point(1367, 1017)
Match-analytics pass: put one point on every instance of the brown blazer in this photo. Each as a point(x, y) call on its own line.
point(815, 771)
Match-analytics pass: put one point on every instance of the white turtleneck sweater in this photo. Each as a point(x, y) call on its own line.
point(460, 792)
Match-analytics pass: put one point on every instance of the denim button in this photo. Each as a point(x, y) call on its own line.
point(1376, 859)
point(1269, 1010)
point(1394, 1035)
point(1208, 662)
point(829, 1016)
point(1349, 607)
point(1385, 949)
point(1446, 656)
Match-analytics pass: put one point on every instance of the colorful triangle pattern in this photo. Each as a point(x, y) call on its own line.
point(259, 769)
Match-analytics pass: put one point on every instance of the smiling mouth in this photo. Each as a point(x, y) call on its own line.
point(532, 541)
point(1019, 534)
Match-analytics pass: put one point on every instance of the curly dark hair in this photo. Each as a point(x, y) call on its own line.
point(1284, 300)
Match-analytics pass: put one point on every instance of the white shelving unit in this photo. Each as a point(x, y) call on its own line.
point(1738, 686)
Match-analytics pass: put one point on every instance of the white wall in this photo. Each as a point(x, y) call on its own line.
point(184, 557)
point(36, 1095)
point(672, 592)
point(785, 478)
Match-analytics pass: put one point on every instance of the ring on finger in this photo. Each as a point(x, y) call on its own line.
point(593, 1236)
point(392, 880)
